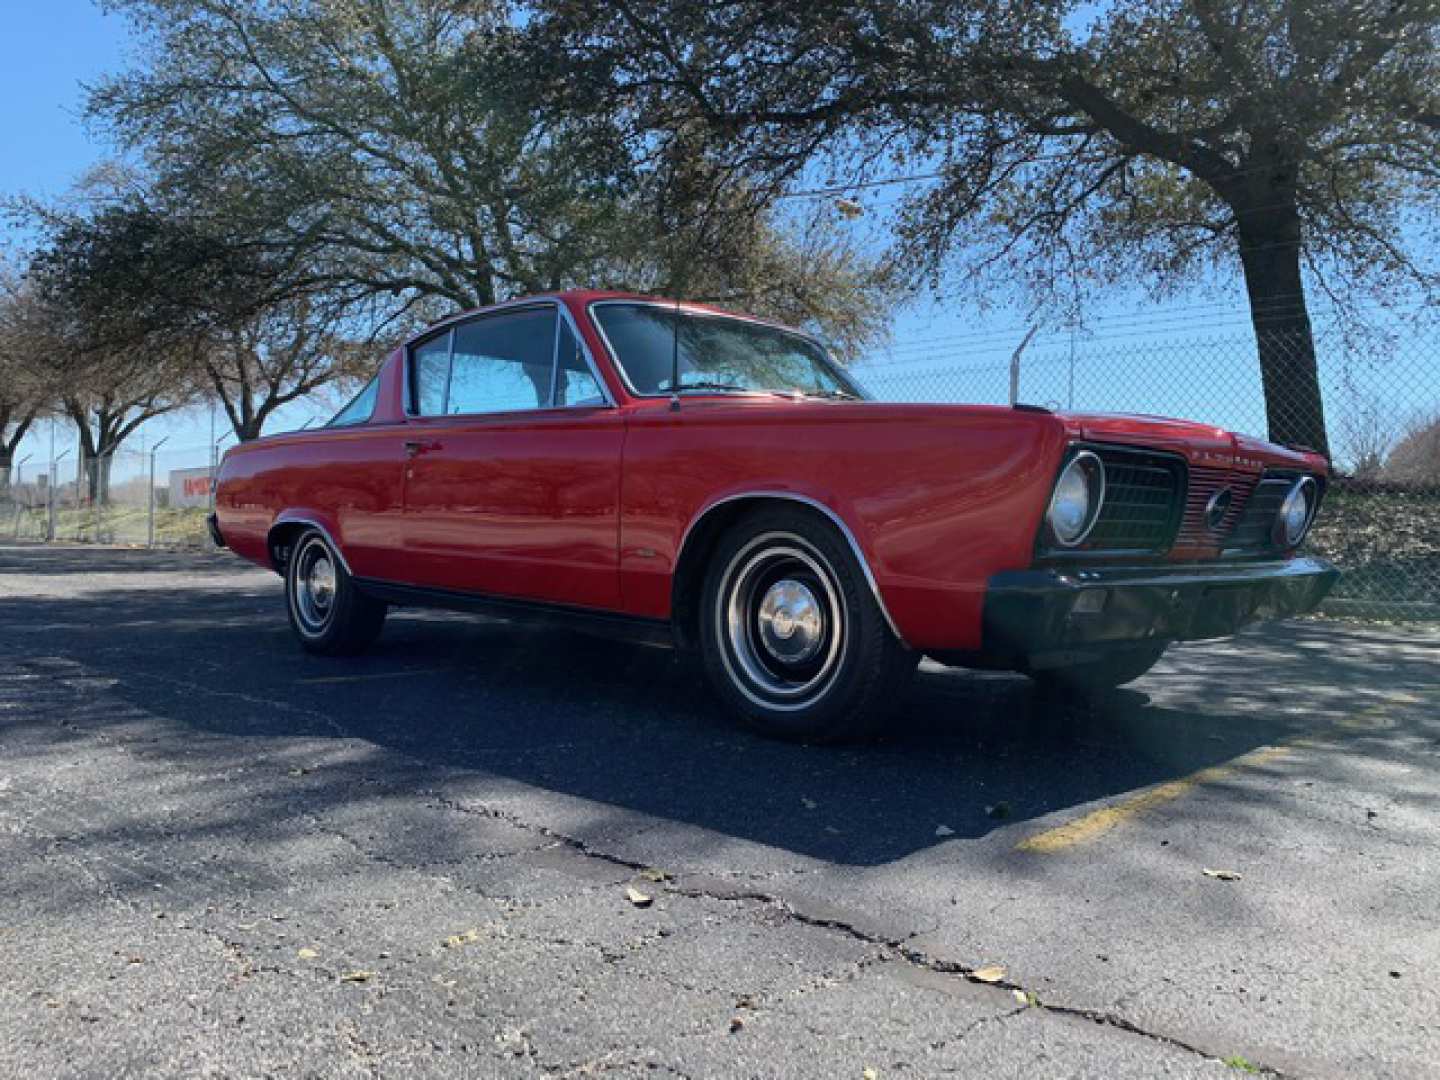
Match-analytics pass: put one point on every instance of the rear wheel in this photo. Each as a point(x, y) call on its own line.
point(1117, 669)
point(328, 613)
point(792, 636)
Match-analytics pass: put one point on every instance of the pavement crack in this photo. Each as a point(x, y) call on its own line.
point(898, 949)
point(572, 842)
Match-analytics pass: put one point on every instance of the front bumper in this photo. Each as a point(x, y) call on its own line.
point(1052, 616)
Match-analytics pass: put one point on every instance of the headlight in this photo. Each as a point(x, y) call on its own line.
point(1075, 505)
point(1296, 513)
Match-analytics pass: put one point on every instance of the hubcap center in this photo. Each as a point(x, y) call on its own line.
point(320, 583)
point(791, 622)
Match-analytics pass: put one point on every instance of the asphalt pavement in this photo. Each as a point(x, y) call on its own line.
point(482, 850)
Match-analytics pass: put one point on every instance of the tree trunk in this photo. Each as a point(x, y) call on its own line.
point(1270, 256)
point(7, 459)
point(96, 469)
point(90, 464)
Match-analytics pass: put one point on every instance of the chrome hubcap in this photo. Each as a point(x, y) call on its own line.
point(791, 624)
point(315, 585)
point(320, 583)
point(781, 622)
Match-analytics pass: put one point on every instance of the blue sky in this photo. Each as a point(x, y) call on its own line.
point(1198, 351)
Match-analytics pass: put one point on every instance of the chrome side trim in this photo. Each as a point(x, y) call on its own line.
point(339, 554)
point(814, 504)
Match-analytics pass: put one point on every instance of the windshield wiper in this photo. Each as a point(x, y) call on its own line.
point(704, 384)
point(832, 395)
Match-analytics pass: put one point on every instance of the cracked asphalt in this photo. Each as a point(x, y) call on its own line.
point(222, 857)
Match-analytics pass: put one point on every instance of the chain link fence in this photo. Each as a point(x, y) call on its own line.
point(130, 497)
point(1381, 402)
point(1381, 410)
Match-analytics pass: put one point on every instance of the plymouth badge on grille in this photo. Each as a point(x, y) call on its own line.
point(1217, 508)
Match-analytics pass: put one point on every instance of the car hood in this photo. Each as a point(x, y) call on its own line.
point(1201, 444)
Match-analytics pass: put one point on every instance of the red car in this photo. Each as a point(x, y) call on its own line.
point(680, 474)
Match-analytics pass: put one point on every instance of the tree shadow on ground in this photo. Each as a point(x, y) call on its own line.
point(496, 708)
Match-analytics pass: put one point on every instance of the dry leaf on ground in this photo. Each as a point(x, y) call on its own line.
point(357, 976)
point(990, 973)
point(636, 897)
point(1221, 875)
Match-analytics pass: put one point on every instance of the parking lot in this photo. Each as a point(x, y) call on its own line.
point(487, 851)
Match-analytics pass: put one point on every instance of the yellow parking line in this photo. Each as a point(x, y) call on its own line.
point(1101, 821)
point(372, 675)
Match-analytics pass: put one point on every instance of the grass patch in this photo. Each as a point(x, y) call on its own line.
point(174, 528)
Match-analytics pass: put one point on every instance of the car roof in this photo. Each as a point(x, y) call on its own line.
point(585, 297)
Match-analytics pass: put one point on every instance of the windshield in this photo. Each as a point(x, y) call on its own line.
point(717, 353)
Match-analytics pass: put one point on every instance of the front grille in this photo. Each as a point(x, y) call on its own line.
point(1141, 501)
point(1154, 502)
point(1205, 481)
point(1254, 534)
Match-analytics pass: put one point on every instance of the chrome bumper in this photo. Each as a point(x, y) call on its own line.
point(1062, 615)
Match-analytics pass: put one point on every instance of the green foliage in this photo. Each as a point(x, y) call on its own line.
point(1066, 145)
point(415, 150)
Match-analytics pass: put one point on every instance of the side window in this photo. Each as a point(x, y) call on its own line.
point(502, 363)
point(431, 373)
point(361, 409)
point(575, 385)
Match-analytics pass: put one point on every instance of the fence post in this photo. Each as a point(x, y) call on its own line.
point(150, 505)
point(50, 491)
point(150, 532)
point(54, 483)
point(1015, 364)
point(97, 493)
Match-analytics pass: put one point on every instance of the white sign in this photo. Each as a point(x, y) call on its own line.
point(189, 487)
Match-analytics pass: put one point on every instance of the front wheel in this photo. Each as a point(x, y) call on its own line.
point(328, 613)
point(792, 636)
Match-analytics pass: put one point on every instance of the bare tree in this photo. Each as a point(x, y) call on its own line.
point(109, 393)
point(1416, 457)
point(277, 357)
point(1367, 435)
point(24, 393)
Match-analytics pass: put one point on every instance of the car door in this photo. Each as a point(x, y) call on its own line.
point(512, 483)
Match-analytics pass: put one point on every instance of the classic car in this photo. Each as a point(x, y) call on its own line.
point(678, 474)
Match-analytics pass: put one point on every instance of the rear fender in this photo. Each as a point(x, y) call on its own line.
point(289, 524)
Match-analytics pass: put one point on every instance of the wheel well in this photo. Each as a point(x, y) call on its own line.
point(700, 544)
point(281, 539)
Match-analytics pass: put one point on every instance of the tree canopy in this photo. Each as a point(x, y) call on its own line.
point(1065, 144)
point(413, 149)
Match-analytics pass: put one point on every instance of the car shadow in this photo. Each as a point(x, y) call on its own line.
point(634, 729)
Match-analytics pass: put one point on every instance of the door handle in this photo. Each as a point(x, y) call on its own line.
point(414, 448)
